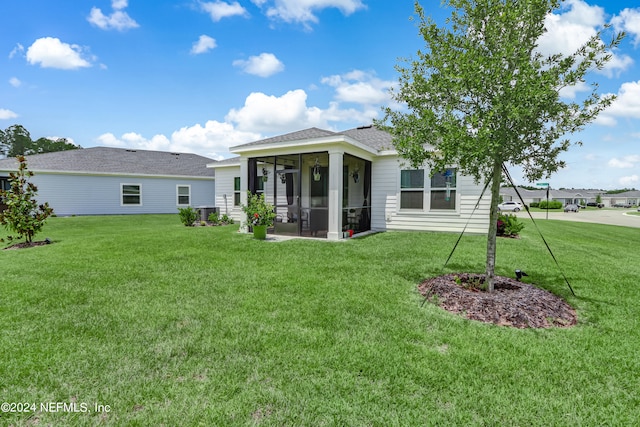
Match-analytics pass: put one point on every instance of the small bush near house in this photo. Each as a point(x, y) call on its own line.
point(23, 215)
point(188, 216)
point(550, 204)
point(534, 205)
point(509, 225)
point(215, 219)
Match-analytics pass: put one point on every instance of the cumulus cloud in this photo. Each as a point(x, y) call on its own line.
point(263, 65)
point(220, 9)
point(211, 140)
point(360, 87)
point(7, 114)
point(629, 21)
point(50, 52)
point(118, 20)
point(572, 28)
point(627, 104)
point(303, 12)
point(15, 82)
point(627, 162)
point(203, 45)
point(629, 181)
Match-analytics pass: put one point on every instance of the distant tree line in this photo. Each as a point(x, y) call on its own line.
point(16, 141)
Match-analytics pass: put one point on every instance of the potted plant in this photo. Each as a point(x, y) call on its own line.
point(260, 214)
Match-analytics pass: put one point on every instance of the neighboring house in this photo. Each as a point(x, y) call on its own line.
point(101, 180)
point(324, 183)
point(571, 196)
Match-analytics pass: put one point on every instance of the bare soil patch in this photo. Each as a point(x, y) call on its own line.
point(23, 245)
point(514, 304)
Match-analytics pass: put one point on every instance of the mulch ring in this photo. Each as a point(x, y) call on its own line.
point(515, 304)
point(24, 245)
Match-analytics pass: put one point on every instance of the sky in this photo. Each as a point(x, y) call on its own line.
point(204, 75)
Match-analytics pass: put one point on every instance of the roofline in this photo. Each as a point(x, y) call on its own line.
point(124, 174)
point(223, 165)
point(309, 142)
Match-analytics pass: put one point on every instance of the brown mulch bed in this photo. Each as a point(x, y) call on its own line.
point(515, 304)
point(24, 245)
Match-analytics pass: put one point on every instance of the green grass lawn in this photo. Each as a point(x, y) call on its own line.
point(169, 325)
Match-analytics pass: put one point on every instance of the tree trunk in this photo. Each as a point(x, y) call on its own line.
point(496, 180)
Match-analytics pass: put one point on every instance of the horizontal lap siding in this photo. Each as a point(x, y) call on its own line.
point(224, 187)
point(101, 195)
point(386, 215)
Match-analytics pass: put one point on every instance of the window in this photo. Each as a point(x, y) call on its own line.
point(131, 194)
point(183, 194)
point(412, 189)
point(443, 190)
point(236, 191)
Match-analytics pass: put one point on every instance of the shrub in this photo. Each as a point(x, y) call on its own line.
point(534, 204)
point(23, 215)
point(509, 225)
point(214, 218)
point(550, 204)
point(188, 216)
point(259, 212)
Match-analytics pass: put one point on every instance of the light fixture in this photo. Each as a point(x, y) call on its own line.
point(355, 175)
point(316, 171)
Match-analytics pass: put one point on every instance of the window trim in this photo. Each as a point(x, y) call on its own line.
point(122, 185)
point(411, 189)
point(454, 189)
point(178, 186)
point(236, 193)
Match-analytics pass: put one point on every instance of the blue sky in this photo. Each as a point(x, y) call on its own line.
point(201, 76)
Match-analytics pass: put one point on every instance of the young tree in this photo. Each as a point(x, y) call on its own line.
point(22, 214)
point(481, 95)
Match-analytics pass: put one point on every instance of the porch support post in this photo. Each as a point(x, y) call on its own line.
point(244, 187)
point(335, 194)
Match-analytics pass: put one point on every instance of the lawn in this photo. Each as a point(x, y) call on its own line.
point(167, 325)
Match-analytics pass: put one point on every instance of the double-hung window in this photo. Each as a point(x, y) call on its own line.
point(183, 195)
point(131, 194)
point(236, 191)
point(443, 190)
point(412, 189)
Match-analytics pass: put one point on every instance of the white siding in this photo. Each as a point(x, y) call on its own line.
point(386, 214)
point(101, 195)
point(225, 191)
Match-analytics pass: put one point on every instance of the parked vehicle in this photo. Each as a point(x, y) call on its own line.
point(572, 208)
point(622, 205)
point(510, 206)
point(594, 205)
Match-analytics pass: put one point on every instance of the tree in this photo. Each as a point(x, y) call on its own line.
point(22, 214)
point(482, 96)
point(16, 141)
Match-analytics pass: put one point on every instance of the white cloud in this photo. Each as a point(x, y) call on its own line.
point(628, 21)
point(571, 29)
point(15, 82)
point(629, 181)
point(203, 45)
point(7, 114)
point(211, 140)
point(303, 11)
point(360, 87)
point(263, 65)
point(627, 104)
point(18, 49)
point(50, 52)
point(627, 162)
point(118, 20)
point(220, 9)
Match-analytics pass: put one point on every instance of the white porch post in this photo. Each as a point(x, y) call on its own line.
point(335, 195)
point(244, 187)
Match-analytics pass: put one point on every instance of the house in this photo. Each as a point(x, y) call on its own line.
point(572, 196)
point(102, 180)
point(324, 183)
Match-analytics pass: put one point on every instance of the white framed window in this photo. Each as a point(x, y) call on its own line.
point(131, 194)
point(183, 195)
point(443, 190)
point(412, 189)
point(236, 191)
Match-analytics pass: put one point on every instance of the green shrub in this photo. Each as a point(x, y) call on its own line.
point(534, 204)
point(214, 218)
point(509, 225)
point(188, 216)
point(550, 204)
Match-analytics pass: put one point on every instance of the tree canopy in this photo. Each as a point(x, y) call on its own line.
point(480, 95)
point(16, 141)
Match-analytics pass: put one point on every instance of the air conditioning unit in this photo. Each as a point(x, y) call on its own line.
point(205, 211)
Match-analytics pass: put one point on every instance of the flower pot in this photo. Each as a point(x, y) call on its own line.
point(260, 232)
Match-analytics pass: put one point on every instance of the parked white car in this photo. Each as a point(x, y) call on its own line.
point(510, 206)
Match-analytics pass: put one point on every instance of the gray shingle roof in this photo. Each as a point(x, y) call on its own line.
point(106, 160)
point(366, 135)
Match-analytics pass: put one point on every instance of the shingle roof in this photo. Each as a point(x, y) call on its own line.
point(106, 160)
point(366, 135)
